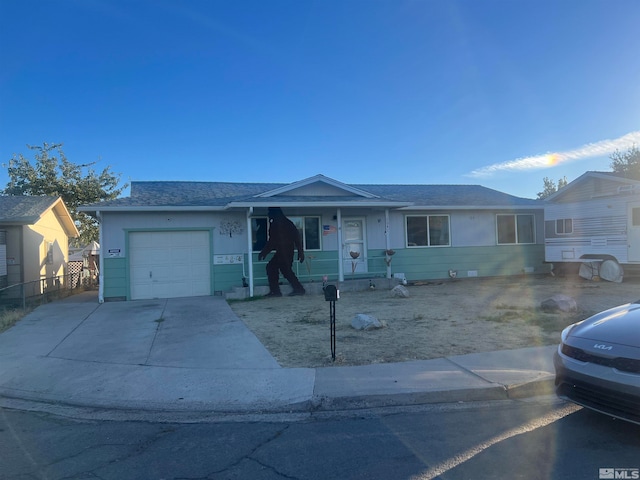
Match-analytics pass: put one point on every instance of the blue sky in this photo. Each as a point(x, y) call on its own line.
point(375, 91)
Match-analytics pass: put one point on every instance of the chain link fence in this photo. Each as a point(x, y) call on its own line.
point(45, 290)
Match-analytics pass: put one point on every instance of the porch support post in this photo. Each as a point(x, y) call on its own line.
point(340, 247)
point(101, 260)
point(250, 250)
point(387, 240)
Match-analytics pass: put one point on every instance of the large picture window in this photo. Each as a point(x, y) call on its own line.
point(514, 229)
point(428, 231)
point(309, 228)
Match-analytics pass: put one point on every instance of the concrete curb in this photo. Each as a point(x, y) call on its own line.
point(203, 362)
point(536, 388)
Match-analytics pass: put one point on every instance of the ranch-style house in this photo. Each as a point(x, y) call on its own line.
point(179, 239)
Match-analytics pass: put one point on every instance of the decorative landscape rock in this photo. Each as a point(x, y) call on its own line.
point(400, 291)
point(559, 303)
point(365, 322)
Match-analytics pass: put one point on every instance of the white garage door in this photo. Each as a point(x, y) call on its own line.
point(169, 264)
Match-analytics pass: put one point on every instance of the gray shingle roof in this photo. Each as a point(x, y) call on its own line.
point(24, 210)
point(220, 194)
point(448, 195)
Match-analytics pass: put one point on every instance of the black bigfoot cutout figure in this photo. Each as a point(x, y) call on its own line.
point(283, 238)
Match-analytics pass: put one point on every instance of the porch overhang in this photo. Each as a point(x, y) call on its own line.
point(285, 203)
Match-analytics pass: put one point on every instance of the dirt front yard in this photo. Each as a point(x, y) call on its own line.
point(440, 318)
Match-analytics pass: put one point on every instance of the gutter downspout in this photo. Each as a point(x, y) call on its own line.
point(250, 251)
point(340, 247)
point(101, 257)
point(387, 241)
point(23, 280)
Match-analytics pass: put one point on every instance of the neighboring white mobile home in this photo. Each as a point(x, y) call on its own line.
point(203, 238)
point(594, 219)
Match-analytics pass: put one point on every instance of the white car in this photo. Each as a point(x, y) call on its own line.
point(598, 362)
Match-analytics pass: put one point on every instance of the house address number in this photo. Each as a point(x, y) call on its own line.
point(228, 259)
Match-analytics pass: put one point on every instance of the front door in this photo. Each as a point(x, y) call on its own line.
point(354, 250)
point(633, 233)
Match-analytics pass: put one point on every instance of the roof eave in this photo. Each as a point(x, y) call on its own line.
point(67, 221)
point(21, 221)
point(473, 207)
point(276, 202)
point(561, 192)
point(406, 206)
point(317, 178)
point(151, 208)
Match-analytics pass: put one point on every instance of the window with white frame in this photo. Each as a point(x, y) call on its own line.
point(564, 226)
point(309, 228)
point(259, 228)
point(427, 231)
point(515, 228)
point(310, 231)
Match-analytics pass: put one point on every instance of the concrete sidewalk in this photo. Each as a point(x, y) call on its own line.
point(196, 355)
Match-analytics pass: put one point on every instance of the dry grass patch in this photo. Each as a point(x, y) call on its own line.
point(439, 319)
point(10, 316)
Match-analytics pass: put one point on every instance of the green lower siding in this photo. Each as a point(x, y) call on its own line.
point(315, 266)
point(415, 263)
point(425, 263)
point(116, 286)
point(225, 277)
point(114, 271)
point(435, 263)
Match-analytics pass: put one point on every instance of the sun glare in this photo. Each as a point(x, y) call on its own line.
point(590, 150)
point(551, 159)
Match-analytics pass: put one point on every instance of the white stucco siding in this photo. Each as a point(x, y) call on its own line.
point(473, 228)
point(375, 231)
point(469, 228)
point(116, 225)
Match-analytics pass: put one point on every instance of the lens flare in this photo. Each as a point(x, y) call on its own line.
point(551, 159)
point(590, 150)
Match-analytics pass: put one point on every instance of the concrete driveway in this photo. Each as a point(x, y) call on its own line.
point(195, 355)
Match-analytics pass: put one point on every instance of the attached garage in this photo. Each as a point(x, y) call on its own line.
point(167, 264)
point(181, 239)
